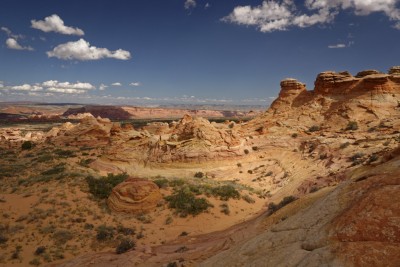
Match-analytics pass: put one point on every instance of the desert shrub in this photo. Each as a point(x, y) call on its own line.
point(104, 233)
point(161, 182)
point(272, 207)
point(45, 158)
point(250, 171)
point(239, 165)
point(169, 220)
point(356, 156)
point(185, 202)
point(248, 199)
point(144, 218)
point(176, 182)
point(352, 126)
point(246, 151)
point(225, 192)
point(255, 148)
point(35, 262)
point(344, 145)
point(225, 208)
point(294, 135)
point(64, 153)
point(85, 162)
point(3, 238)
point(199, 175)
point(314, 128)
point(101, 187)
point(40, 250)
point(125, 230)
point(125, 245)
point(373, 157)
point(26, 145)
point(55, 170)
point(62, 236)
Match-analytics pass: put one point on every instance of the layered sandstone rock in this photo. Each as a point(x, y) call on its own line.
point(134, 195)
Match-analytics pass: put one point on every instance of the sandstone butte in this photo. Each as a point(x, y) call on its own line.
point(348, 211)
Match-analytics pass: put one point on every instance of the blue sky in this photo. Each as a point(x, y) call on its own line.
point(145, 52)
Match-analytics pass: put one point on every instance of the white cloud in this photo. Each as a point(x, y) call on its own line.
point(13, 44)
point(280, 15)
point(66, 90)
point(67, 85)
point(116, 84)
point(190, 4)
point(135, 84)
point(337, 46)
point(54, 23)
point(11, 34)
point(103, 87)
point(1, 84)
point(26, 87)
point(207, 5)
point(81, 50)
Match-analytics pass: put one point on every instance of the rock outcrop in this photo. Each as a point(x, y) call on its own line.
point(134, 195)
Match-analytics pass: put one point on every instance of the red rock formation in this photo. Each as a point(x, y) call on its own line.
point(134, 195)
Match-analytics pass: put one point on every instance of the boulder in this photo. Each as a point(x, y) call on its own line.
point(134, 195)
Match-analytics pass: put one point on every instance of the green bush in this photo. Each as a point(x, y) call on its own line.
point(125, 245)
point(248, 199)
point(26, 145)
point(225, 192)
point(185, 202)
point(101, 187)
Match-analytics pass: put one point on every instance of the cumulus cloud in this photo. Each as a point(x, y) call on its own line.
point(67, 87)
point(13, 44)
point(337, 46)
point(26, 87)
point(280, 15)
point(54, 23)
point(135, 84)
point(81, 50)
point(190, 4)
point(103, 87)
point(116, 84)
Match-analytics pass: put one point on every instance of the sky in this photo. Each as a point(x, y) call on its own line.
point(151, 52)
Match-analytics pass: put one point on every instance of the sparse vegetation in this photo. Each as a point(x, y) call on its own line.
point(185, 203)
point(295, 135)
point(62, 236)
point(101, 187)
point(104, 233)
point(125, 245)
point(225, 192)
point(272, 207)
point(161, 182)
point(225, 208)
point(248, 199)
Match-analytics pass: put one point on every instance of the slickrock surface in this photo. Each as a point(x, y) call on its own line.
point(134, 195)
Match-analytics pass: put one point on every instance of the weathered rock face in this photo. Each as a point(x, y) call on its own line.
point(134, 195)
point(90, 131)
point(330, 82)
point(394, 70)
point(364, 73)
point(357, 224)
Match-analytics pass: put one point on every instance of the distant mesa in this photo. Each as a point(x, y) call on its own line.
point(111, 112)
point(134, 195)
